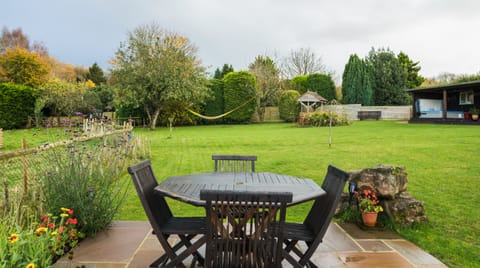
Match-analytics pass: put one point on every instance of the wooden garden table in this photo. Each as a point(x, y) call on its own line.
point(187, 188)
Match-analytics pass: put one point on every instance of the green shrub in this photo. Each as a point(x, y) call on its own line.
point(289, 106)
point(16, 105)
point(323, 119)
point(214, 106)
point(87, 179)
point(322, 84)
point(299, 83)
point(239, 87)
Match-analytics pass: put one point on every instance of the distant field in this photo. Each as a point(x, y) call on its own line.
point(442, 162)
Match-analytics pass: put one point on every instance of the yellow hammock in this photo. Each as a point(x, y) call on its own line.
point(221, 115)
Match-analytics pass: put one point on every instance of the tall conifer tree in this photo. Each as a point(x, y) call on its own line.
point(357, 81)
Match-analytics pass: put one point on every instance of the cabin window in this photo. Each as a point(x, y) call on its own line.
point(466, 97)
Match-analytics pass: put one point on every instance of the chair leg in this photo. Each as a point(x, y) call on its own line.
point(291, 245)
point(160, 261)
point(176, 260)
point(304, 257)
point(186, 240)
point(189, 251)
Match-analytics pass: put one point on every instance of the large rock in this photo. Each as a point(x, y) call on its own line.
point(390, 183)
point(405, 210)
point(387, 181)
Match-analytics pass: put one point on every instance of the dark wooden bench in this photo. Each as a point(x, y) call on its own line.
point(362, 115)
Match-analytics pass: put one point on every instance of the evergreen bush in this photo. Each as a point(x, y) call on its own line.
point(289, 106)
point(299, 83)
point(17, 103)
point(214, 106)
point(322, 84)
point(239, 87)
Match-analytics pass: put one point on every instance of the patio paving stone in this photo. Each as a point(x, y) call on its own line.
point(131, 244)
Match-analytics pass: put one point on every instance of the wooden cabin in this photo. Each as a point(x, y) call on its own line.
point(448, 104)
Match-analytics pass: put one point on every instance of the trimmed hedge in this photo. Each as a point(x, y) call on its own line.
point(299, 83)
point(322, 84)
point(16, 105)
point(215, 105)
point(289, 105)
point(239, 87)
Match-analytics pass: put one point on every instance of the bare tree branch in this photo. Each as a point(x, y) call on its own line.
point(302, 62)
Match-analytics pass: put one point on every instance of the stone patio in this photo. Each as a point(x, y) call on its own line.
point(130, 244)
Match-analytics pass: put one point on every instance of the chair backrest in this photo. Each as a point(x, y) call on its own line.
point(323, 209)
point(244, 229)
point(234, 163)
point(155, 206)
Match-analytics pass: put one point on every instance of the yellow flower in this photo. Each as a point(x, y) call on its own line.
point(41, 230)
point(13, 238)
point(30, 265)
point(54, 233)
point(65, 209)
point(64, 215)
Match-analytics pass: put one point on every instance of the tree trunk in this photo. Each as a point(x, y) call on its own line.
point(261, 103)
point(153, 118)
point(261, 113)
point(171, 120)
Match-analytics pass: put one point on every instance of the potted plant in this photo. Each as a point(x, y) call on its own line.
point(369, 206)
point(474, 113)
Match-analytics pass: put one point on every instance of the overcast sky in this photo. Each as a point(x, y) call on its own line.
point(443, 35)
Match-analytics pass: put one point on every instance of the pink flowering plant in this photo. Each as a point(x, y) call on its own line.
point(368, 201)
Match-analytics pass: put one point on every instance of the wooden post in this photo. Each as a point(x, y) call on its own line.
point(25, 167)
point(444, 114)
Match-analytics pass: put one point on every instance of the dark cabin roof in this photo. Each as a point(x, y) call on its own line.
point(464, 85)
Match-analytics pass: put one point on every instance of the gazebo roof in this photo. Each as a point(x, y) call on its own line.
point(310, 96)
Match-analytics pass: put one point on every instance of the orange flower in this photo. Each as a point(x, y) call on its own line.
point(30, 265)
point(71, 233)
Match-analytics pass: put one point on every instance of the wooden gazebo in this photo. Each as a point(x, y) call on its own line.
point(310, 101)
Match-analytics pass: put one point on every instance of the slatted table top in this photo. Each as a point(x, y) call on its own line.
point(187, 188)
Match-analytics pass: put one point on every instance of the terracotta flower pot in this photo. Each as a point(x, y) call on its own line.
point(369, 218)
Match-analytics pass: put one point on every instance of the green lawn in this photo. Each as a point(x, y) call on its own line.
point(442, 162)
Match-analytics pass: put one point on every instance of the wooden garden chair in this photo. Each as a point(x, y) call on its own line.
point(314, 227)
point(234, 163)
point(163, 222)
point(237, 236)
